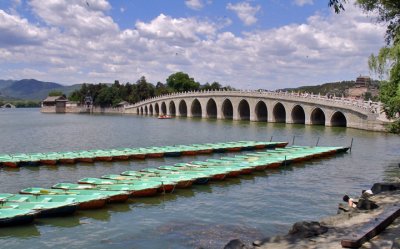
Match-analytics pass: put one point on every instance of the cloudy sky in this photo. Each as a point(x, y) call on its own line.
point(248, 44)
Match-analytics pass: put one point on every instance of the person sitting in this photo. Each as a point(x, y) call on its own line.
point(363, 203)
point(350, 201)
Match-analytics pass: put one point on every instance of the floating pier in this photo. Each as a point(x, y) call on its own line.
point(89, 193)
point(90, 156)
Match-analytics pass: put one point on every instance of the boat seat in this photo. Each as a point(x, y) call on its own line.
point(23, 199)
point(47, 199)
point(372, 228)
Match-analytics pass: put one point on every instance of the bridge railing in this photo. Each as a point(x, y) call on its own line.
point(368, 107)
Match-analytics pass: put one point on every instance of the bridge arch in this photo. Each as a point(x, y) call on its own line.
point(211, 109)
point(261, 111)
point(146, 111)
point(141, 110)
point(244, 110)
point(182, 108)
point(163, 108)
point(151, 110)
point(279, 113)
point(157, 109)
point(298, 115)
point(172, 109)
point(196, 108)
point(317, 117)
point(338, 119)
point(227, 109)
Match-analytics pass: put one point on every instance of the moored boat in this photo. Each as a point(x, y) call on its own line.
point(14, 217)
point(154, 152)
point(166, 186)
point(83, 201)
point(85, 157)
point(26, 159)
point(50, 209)
point(102, 155)
point(9, 161)
point(76, 189)
point(67, 157)
point(139, 189)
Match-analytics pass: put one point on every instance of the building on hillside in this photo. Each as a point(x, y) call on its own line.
point(363, 81)
point(54, 104)
point(361, 88)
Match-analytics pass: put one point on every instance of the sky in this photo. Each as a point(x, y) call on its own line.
point(247, 44)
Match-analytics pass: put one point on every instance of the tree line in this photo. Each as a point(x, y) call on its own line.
point(106, 95)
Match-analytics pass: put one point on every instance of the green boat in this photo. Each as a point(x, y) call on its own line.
point(111, 196)
point(9, 161)
point(50, 209)
point(26, 159)
point(134, 182)
point(83, 201)
point(135, 189)
point(157, 174)
point(13, 217)
point(197, 176)
point(165, 185)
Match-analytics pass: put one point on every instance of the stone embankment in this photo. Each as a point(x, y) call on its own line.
point(330, 231)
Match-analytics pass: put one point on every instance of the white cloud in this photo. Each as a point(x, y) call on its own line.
point(76, 16)
point(176, 29)
point(17, 31)
point(322, 49)
point(245, 12)
point(194, 4)
point(303, 2)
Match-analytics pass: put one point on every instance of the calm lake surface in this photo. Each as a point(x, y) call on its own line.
point(208, 216)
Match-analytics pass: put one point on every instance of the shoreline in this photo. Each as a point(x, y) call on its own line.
point(328, 232)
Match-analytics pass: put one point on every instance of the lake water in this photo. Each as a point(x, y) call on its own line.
point(208, 216)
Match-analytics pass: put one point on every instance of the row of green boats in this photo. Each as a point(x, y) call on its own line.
point(89, 193)
point(89, 156)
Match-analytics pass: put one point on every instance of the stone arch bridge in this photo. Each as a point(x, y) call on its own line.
point(265, 106)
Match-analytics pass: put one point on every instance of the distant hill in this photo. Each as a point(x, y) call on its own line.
point(337, 88)
point(6, 83)
point(31, 89)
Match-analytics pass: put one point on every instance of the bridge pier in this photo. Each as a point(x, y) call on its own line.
point(289, 119)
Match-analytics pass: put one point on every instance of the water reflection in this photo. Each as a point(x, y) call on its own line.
point(63, 222)
point(26, 231)
point(156, 200)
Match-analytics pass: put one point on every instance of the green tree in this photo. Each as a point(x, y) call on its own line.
point(56, 93)
point(133, 96)
point(162, 89)
point(213, 86)
point(144, 90)
point(181, 82)
point(107, 97)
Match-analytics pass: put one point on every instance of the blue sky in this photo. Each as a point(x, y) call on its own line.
point(253, 44)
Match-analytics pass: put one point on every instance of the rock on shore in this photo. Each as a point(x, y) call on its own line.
point(328, 232)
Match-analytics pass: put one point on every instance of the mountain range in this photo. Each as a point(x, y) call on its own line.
point(31, 89)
